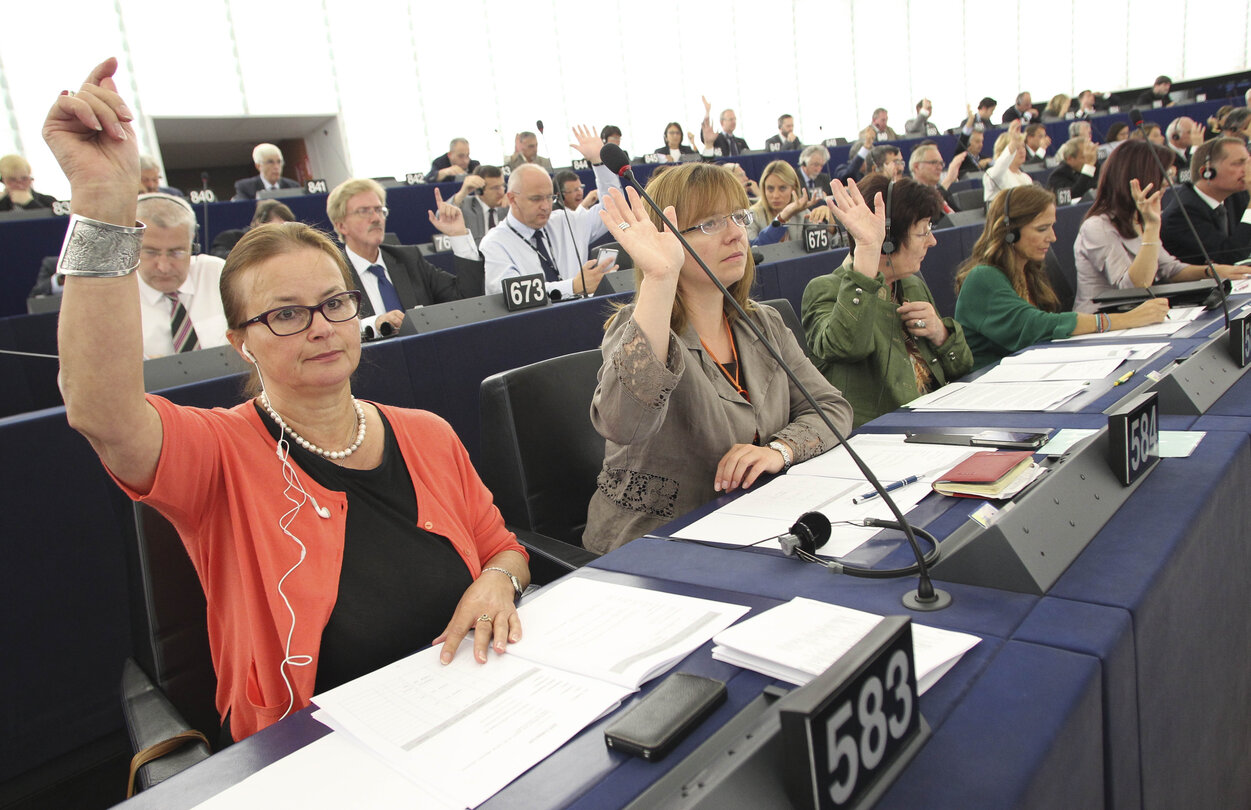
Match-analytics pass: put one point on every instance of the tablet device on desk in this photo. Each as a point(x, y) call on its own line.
point(1001, 439)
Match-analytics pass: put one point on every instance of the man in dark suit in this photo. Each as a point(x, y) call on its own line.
point(1077, 172)
point(786, 140)
point(456, 162)
point(811, 170)
point(269, 163)
point(1023, 109)
point(1036, 143)
point(394, 278)
point(486, 208)
point(1182, 135)
point(1217, 203)
point(727, 141)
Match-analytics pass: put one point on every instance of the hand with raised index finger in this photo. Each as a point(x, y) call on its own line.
point(447, 218)
point(90, 134)
point(657, 255)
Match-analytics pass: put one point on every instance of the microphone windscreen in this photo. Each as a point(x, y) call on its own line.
point(386, 329)
point(1135, 118)
point(815, 525)
point(539, 126)
point(614, 158)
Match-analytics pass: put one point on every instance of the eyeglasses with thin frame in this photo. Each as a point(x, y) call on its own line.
point(925, 234)
point(371, 210)
point(537, 199)
point(174, 254)
point(936, 162)
point(715, 225)
point(295, 318)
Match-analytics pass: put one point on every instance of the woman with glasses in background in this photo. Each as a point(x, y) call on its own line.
point(331, 536)
point(689, 403)
point(871, 324)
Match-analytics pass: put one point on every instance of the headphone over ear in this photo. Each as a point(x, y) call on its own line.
point(1208, 172)
point(888, 244)
point(1013, 234)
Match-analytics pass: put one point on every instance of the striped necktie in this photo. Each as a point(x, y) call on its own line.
point(180, 327)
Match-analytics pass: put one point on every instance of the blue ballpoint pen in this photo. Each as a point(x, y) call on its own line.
point(891, 487)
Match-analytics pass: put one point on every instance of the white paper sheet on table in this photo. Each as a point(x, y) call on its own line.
point(1020, 396)
point(1168, 327)
point(1085, 351)
point(1179, 443)
point(327, 774)
point(1031, 372)
point(799, 640)
point(466, 730)
point(887, 454)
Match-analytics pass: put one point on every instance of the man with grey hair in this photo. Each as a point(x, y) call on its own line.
point(1080, 129)
point(269, 163)
point(526, 152)
point(1181, 136)
point(926, 164)
point(150, 178)
point(881, 131)
point(454, 164)
point(179, 298)
point(811, 170)
point(534, 238)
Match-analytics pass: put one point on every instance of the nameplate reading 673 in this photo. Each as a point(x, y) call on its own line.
point(525, 292)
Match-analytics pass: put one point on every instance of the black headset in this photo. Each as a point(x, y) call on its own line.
point(888, 244)
point(1013, 234)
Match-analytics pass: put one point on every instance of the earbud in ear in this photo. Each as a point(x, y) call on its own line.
point(243, 347)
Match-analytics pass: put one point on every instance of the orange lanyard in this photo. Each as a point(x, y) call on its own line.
point(738, 368)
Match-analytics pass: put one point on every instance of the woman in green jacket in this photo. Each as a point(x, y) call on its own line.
point(871, 324)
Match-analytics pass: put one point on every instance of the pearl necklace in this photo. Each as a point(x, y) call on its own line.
point(307, 445)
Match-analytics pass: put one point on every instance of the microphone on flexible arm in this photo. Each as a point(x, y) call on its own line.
point(1135, 118)
point(204, 186)
point(926, 596)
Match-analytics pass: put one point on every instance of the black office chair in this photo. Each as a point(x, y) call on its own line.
point(168, 687)
point(792, 321)
point(541, 456)
point(969, 199)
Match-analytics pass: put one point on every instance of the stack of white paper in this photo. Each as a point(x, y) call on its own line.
point(1006, 396)
point(799, 640)
point(463, 731)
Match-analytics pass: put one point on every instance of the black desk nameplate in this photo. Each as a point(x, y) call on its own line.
point(525, 292)
point(1134, 438)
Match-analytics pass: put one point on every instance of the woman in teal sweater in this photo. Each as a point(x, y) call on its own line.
point(871, 324)
point(1005, 302)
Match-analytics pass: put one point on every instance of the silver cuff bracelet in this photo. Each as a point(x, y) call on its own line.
point(94, 248)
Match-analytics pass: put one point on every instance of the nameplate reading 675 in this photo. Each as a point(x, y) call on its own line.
point(525, 292)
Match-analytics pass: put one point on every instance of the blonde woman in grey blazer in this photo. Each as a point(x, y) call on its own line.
point(689, 403)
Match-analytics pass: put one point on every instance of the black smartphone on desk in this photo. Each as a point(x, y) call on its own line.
point(653, 726)
point(1000, 439)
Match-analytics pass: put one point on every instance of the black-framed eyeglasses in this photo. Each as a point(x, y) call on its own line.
point(295, 318)
point(741, 218)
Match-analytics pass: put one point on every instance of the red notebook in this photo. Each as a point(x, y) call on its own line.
point(984, 475)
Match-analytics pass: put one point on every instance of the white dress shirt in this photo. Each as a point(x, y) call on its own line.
point(508, 249)
point(200, 293)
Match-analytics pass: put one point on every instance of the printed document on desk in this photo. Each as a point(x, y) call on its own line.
point(1008, 396)
point(827, 484)
point(799, 640)
point(465, 730)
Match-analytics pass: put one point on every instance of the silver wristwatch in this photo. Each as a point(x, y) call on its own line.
point(785, 451)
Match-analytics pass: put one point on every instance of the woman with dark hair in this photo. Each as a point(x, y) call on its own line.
point(267, 211)
point(1005, 302)
point(689, 403)
point(1118, 245)
point(674, 149)
point(871, 324)
point(332, 536)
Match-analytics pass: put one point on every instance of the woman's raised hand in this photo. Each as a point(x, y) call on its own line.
point(799, 201)
point(867, 225)
point(1148, 204)
point(90, 134)
point(658, 255)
